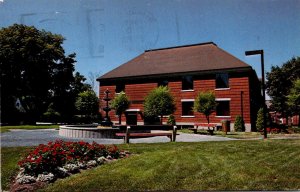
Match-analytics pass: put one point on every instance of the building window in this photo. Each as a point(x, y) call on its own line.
point(223, 107)
point(187, 83)
point(187, 108)
point(163, 83)
point(120, 88)
point(222, 81)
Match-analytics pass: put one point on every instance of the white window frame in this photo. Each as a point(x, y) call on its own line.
point(187, 90)
point(223, 99)
point(187, 100)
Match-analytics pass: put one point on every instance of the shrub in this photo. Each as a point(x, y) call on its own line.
point(171, 120)
point(260, 120)
point(239, 124)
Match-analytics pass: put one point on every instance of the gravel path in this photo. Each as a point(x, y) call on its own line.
point(42, 136)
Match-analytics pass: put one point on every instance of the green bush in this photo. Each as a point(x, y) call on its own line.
point(260, 120)
point(171, 120)
point(239, 124)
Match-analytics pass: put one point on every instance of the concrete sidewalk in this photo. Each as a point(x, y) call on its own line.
point(42, 136)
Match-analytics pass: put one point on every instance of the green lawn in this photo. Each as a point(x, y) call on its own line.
point(7, 128)
point(9, 158)
point(246, 135)
point(231, 165)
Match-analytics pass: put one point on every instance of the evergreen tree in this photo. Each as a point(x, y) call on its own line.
point(239, 124)
point(260, 120)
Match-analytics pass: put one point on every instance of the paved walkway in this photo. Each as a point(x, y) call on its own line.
point(42, 136)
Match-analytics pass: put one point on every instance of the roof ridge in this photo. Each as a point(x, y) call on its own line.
point(181, 46)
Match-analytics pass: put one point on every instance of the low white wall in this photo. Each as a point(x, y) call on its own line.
point(87, 132)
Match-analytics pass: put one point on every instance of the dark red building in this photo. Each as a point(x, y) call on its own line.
point(187, 70)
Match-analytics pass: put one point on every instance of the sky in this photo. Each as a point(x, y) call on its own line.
point(107, 33)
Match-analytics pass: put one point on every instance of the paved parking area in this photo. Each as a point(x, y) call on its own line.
point(42, 136)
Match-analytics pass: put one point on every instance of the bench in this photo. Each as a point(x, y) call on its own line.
point(141, 131)
point(204, 126)
point(272, 130)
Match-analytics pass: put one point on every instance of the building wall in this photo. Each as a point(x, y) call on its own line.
point(138, 91)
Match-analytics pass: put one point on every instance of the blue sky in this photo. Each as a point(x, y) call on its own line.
point(106, 33)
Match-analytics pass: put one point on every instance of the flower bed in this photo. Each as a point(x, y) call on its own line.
point(59, 159)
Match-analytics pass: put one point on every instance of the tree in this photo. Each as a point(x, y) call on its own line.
point(159, 102)
point(293, 98)
point(51, 115)
point(260, 120)
point(279, 83)
point(205, 103)
point(92, 80)
point(87, 104)
point(79, 84)
point(120, 104)
point(239, 124)
point(34, 69)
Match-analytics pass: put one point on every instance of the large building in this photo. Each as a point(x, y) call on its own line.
point(187, 70)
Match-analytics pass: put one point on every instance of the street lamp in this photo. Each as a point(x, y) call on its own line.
point(261, 52)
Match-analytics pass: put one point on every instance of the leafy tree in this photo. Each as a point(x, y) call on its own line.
point(34, 68)
point(87, 104)
point(239, 124)
point(279, 83)
point(293, 98)
point(79, 84)
point(205, 103)
point(120, 104)
point(51, 115)
point(159, 102)
point(260, 120)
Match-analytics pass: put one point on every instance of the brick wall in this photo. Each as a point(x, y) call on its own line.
point(138, 91)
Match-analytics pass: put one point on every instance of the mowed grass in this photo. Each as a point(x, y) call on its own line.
point(9, 158)
point(246, 135)
point(231, 165)
point(7, 128)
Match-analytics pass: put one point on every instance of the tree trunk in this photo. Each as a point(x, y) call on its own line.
point(120, 118)
point(207, 117)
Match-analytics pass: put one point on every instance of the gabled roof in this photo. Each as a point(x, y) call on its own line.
point(181, 59)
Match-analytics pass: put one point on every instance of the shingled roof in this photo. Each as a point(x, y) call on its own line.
point(181, 59)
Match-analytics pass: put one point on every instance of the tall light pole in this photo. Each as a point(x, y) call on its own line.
point(261, 53)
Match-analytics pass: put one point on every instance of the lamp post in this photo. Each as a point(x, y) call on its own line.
point(261, 53)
